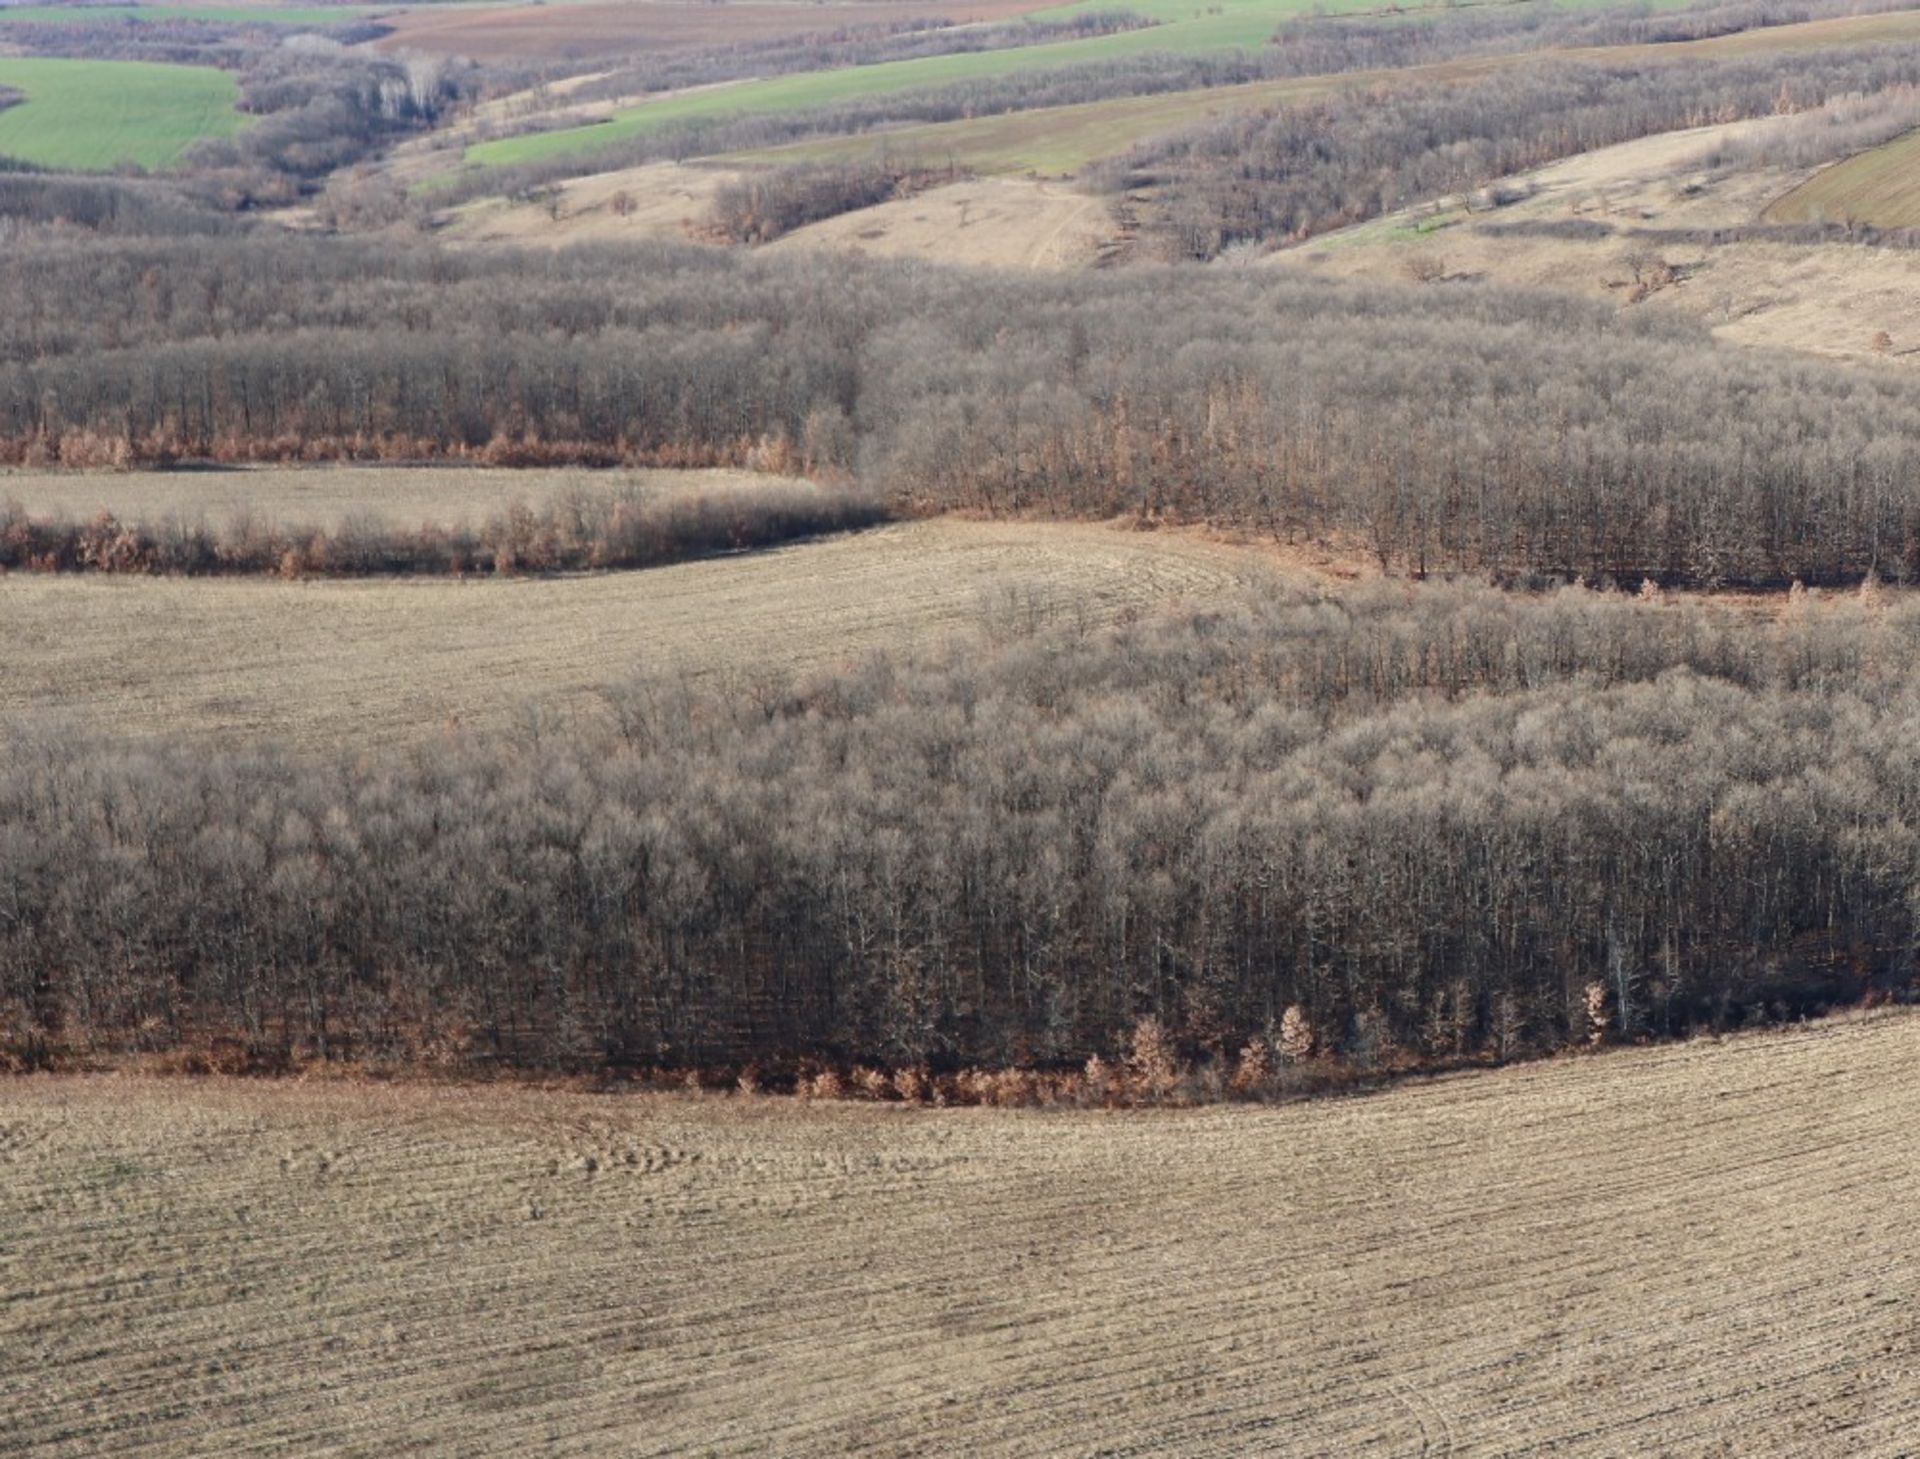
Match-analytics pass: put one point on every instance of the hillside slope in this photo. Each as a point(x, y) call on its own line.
point(1702, 1249)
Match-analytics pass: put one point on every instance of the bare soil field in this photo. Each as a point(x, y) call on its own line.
point(522, 32)
point(1700, 1249)
point(325, 664)
point(324, 496)
point(999, 222)
point(1829, 299)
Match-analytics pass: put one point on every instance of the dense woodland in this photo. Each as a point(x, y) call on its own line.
point(1441, 821)
point(1439, 429)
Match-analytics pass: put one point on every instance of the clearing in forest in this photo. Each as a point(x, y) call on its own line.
point(1000, 222)
point(1695, 1249)
point(661, 200)
point(316, 665)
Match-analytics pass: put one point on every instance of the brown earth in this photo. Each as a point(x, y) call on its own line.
point(1702, 1249)
point(566, 32)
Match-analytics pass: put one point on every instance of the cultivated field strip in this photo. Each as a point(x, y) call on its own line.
point(1704, 1249)
point(403, 497)
point(354, 663)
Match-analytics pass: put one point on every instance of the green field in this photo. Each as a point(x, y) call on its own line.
point(1879, 187)
point(214, 14)
point(1228, 25)
point(91, 115)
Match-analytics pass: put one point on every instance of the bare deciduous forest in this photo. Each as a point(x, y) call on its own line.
point(1520, 435)
point(1430, 820)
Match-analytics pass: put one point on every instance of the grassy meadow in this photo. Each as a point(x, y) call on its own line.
point(90, 116)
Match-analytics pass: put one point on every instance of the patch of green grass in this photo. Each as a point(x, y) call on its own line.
point(290, 15)
point(90, 115)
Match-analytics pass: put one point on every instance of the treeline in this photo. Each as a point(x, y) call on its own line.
point(237, 41)
point(1843, 126)
point(579, 530)
point(1285, 174)
point(1328, 44)
point(127, 207)
point(1438, 430)
point(1431, 822)
point(760, 206)
point(852, 45)
point(1643, 239)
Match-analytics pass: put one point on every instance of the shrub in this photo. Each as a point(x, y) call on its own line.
point(1154, 1069)
point(1253, 1073)
point(1296, 1034)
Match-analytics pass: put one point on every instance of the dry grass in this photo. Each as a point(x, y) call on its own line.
point(999, 222)
point(1695, 1250)
point(1829, 299)
point(324, 496)
point(348, 663)
point(661, 200)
